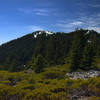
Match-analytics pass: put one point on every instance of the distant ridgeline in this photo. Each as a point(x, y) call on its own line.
point(40, 49)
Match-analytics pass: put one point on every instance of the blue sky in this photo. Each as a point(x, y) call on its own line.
point(20, 17)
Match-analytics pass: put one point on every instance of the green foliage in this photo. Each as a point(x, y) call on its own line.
point(77, 49)
point(39, 64)
point(88, 58)
point(94, 98)
point(51, 57)
point(25, 86)
point(84, 50)
point(57, 49)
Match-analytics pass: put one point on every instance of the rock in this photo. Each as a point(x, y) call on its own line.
point(83, 75)
point(29, 71)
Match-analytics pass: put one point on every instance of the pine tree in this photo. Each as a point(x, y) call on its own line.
point(39, 64)
point(88, 58)
point(89, 52)
point(76, 50)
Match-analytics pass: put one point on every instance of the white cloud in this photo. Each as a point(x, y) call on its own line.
point(34, 28)
point(69, 25)
point(83, 21)
point(42, 12)
point(77, 23)
point(93, 20)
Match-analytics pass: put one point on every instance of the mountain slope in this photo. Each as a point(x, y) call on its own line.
point(56, 48)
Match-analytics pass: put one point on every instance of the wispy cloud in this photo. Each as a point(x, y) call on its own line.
point(77, 23)
point(42, 12)
point(37, 11)
point(32, 28)
point(69, 25)
point(90, 22)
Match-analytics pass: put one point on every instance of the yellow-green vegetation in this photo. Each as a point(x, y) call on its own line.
point(48, 85)
point(94, 98)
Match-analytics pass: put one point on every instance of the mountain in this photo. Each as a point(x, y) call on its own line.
point(56, 48)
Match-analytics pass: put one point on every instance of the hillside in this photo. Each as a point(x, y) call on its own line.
point(51, 66)
point(55, 48)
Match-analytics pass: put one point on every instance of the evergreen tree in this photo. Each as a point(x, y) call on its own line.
point(55, 48)
point(39, 64)
point(76, 50)
point(88, 58)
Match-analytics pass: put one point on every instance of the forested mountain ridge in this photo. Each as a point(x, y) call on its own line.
point(79, 48)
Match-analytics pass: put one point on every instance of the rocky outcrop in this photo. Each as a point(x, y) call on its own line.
point(83, 75)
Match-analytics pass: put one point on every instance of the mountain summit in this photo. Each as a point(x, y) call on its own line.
point(36, 33)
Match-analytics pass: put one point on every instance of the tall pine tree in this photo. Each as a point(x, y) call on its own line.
point(76, 50)
point(88, 61)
